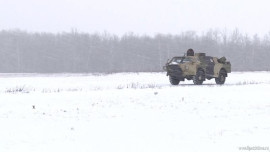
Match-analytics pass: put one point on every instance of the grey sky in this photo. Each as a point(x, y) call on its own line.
point(138, 16)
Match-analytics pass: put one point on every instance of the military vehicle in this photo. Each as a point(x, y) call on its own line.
point(197, 67)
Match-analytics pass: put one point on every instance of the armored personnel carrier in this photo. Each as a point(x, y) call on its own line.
point(197, 67)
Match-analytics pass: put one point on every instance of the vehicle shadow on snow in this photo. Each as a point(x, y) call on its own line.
point(218, 85)
point(196, 85)
point(187, 85)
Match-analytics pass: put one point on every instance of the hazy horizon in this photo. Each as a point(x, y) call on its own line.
point(140, 17)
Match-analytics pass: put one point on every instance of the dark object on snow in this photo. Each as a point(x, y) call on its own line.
point(197, 67)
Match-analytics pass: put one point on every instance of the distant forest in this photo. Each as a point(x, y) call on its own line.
point(76, 52)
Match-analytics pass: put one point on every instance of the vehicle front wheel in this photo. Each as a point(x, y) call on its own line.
point(199, 77)
point(221, 77)
point(173, 80)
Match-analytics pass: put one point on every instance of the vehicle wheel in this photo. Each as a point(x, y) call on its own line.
point(221, 77)
point(174, 81)
point(199, 77)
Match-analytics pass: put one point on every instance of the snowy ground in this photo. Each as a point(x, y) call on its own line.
point(132, 112)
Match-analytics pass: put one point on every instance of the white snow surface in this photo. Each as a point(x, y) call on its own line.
point(132, 112)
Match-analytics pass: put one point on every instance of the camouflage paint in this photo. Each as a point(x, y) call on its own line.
point(210, 65)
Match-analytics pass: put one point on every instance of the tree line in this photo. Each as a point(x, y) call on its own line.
point(77, 52)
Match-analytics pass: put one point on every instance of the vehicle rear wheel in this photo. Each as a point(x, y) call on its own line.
point(173, 80)
point(221, 77)
point(199, 77)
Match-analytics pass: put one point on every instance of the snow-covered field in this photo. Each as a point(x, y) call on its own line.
point(132, 112)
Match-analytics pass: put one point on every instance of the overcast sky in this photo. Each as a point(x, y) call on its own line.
point(138, 16)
